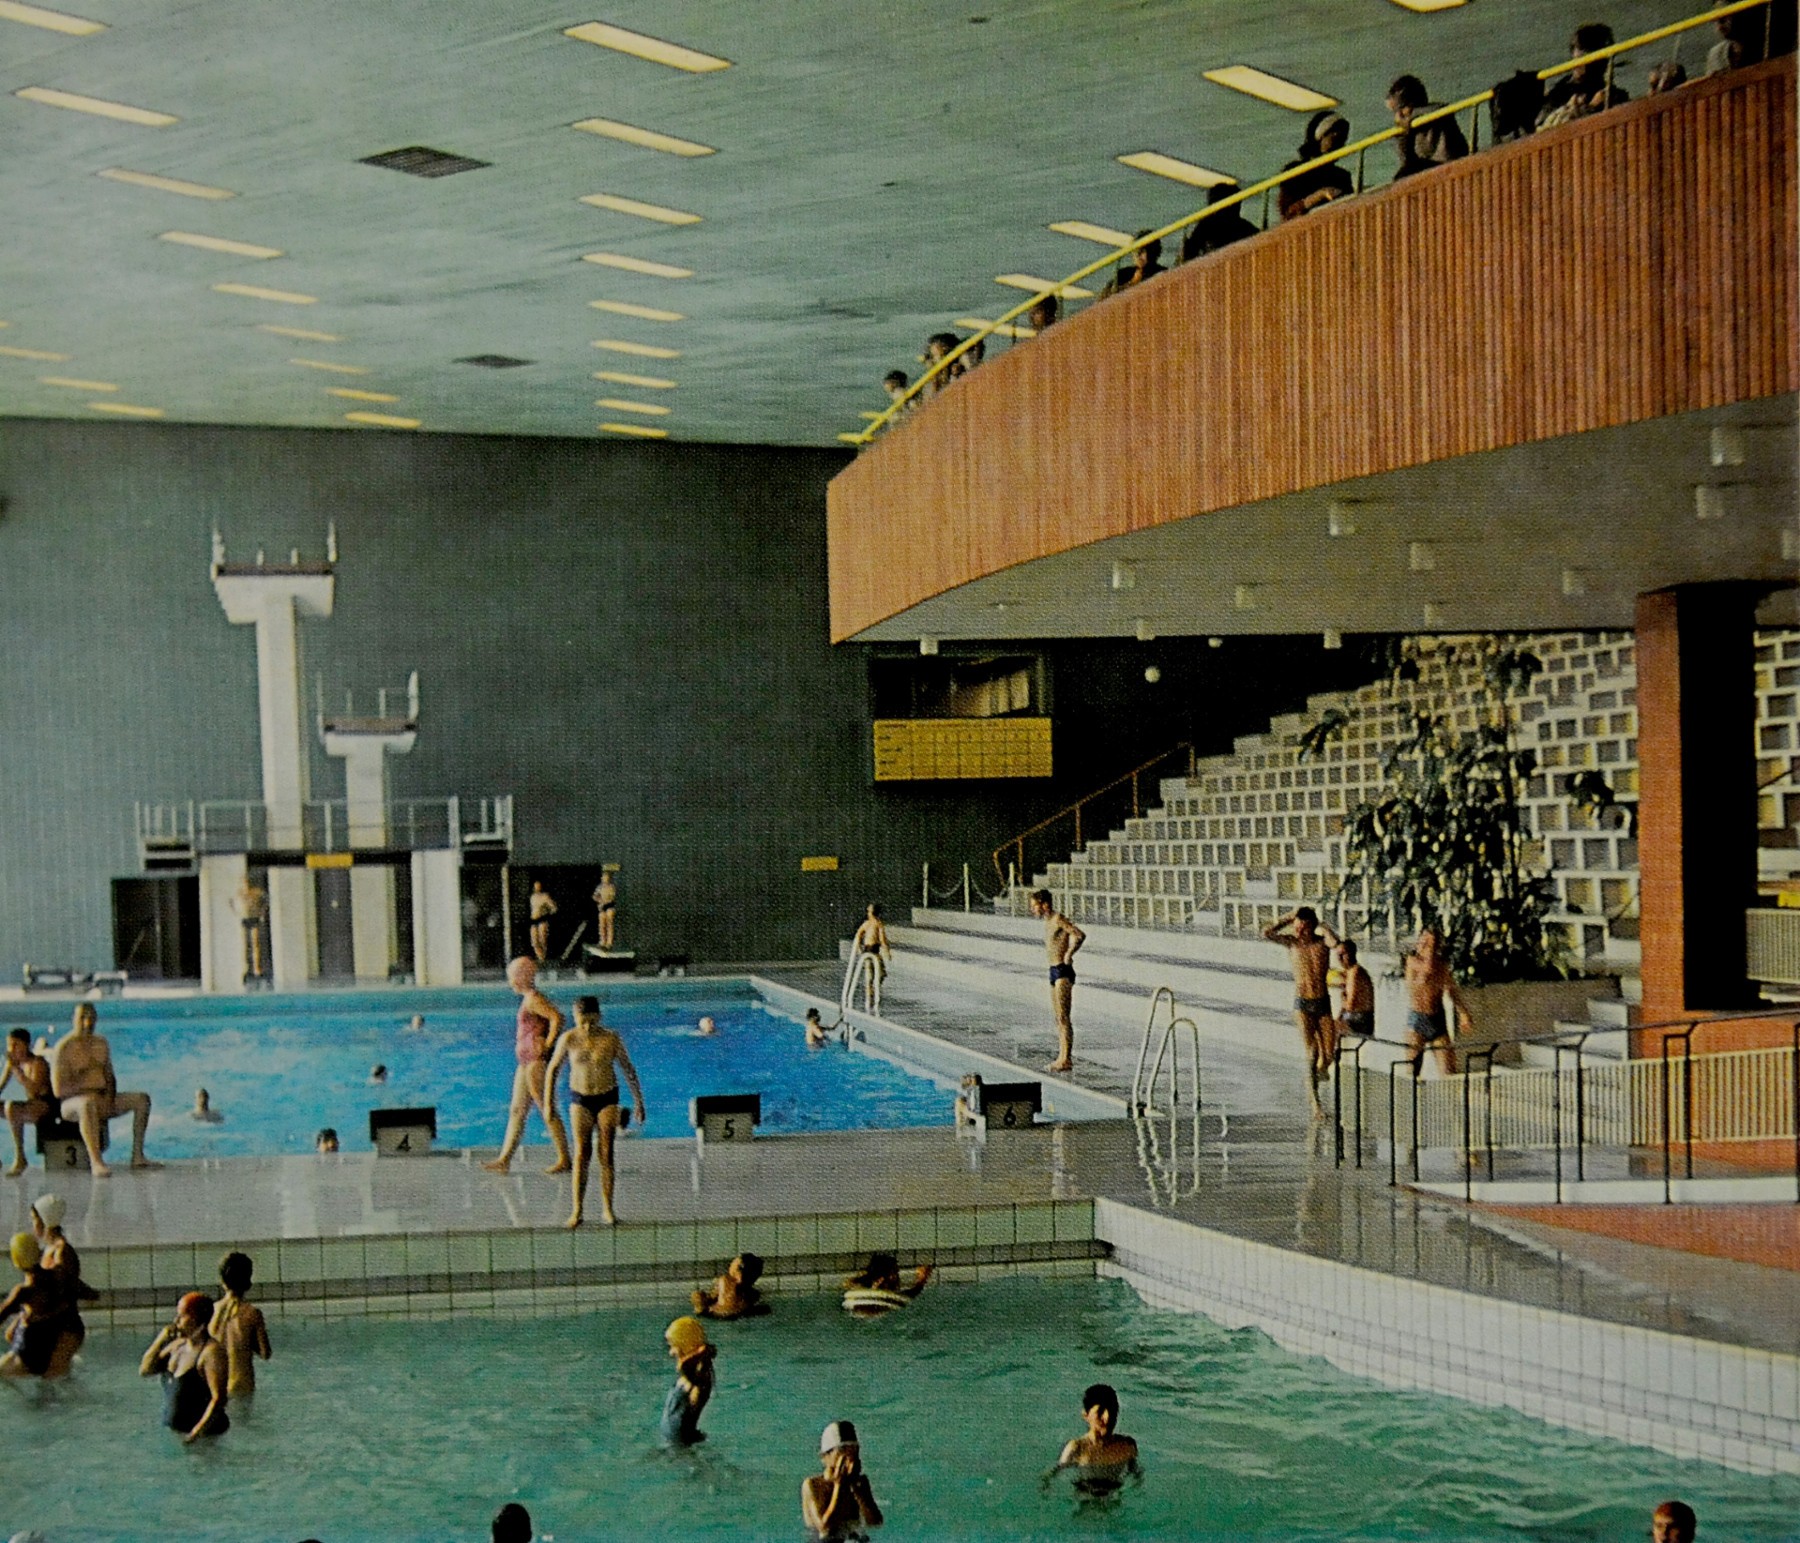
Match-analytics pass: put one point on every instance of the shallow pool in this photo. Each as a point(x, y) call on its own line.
point(280, 1068)
point(368, 1430)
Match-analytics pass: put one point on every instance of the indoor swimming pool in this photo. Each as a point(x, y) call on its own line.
point(280, 1068)
point(415, 1432)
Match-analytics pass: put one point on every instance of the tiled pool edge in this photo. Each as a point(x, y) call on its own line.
point(544, 1270)
point(1686, 1397)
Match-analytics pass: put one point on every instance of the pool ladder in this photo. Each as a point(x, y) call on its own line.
point(1163, 1171)
point(862, 971)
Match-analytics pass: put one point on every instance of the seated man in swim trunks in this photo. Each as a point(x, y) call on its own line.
point(1358, 1015)
point(82, 1076)
point(1310, 956)
point(592, 1051)
point(1105, 1457)
point(33, 1072)
point(1428, 983)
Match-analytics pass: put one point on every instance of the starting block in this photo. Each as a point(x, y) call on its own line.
point(1005, 1105)
point(725, 1117)
point(403, 1132)
point(59, 1143)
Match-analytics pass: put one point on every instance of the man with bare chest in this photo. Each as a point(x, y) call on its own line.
point(1428, 983)
point(82, 1077)
point(1310, 956)
point(591, 1051)
point(33, 1074)
point(1061, 938)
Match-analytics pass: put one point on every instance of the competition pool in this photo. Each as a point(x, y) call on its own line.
point(417, 1432)
point(280, 1068)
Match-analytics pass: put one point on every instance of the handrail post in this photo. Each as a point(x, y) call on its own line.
point(1556, 1114)
point(966, 906)
point(1359, 1104)
point(1687, 1098)
point(1416, 1068)
point(1362, 157)
point(1468, 1150)
point(1393, 1129)
point(1488, 1078)
point(1337, 1107)
point(1580, 1118)
point(925, 886)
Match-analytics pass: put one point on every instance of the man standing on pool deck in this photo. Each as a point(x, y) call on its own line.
point(33, 1072)
point(251, 904)
point(542, 909)
point(82, 1076)
point(539, 1024)
point(592, 1051)
point(606, 897)
point(1310, 956)
point(1061, 939)
point(1428, 982)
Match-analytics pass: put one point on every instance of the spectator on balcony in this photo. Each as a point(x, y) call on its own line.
point(1326, 132)
point(1144, 263)
point(972, 356)
point(937, 347)
point(1584, 91)
point(1044, 313)
point(1667, 75)
point(1740, 42)
point(1431, 144)
point(1216, 230)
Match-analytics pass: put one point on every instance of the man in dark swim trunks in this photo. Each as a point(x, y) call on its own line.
point(1061, 938)
point(1310, 956)
point(1428, 982)
point(591, 1052)
point(33, 1074)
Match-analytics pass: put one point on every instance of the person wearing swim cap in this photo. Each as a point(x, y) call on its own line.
point(838, 1503)
point(1104, 1457)
point(540, 1023)
point(61, 1267)
point(192, 1366)
point(694, 1379)
point(32, 1306)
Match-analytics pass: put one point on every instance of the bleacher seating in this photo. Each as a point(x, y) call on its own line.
point(1256, 832)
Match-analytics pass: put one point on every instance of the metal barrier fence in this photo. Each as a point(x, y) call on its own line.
point(219, 826)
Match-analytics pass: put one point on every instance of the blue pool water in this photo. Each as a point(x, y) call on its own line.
point(280, 1068)
point(417, 1432)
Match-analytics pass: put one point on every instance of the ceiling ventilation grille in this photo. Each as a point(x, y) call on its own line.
point(494, 361)
point(422, 161)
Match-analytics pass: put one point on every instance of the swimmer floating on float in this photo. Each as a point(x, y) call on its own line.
point(877, 1291)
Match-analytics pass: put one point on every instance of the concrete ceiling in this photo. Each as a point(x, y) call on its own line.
point(1559, 535)
point(877, 164)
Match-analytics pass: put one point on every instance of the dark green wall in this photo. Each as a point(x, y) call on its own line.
point(628, 638)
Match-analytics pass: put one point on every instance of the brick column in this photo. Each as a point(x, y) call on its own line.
point(1697, 832)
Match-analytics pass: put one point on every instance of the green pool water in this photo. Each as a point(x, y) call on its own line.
point(400, 1431)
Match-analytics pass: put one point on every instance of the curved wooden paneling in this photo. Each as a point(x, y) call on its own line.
point(1637, 264)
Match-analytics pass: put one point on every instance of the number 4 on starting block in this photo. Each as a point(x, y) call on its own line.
point(403, 1132)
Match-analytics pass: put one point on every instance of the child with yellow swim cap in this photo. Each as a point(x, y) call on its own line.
point(32, 1305)
point(693, 1381)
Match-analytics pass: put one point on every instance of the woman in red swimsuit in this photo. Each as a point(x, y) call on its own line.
point(539, 1024)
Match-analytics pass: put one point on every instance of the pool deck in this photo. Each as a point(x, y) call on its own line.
point(1254, 1223)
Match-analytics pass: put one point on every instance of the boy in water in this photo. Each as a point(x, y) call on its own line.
point(33, 1072)
point(838, 1503)
point(815, 1029)
point(239, 1326)
point(591, 1052)
point(1310, 956)
point(1103, 1454)
point(733, 1294)
point(694, 1380)
point(1428, 982)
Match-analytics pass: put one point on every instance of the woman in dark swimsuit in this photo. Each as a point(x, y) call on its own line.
point(192, 1366)
point(61, 1265)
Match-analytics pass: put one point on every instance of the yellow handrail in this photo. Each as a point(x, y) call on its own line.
point(1018, 842)
point(1360, 147)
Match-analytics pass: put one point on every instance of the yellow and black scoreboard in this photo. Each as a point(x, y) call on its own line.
point(939, 749)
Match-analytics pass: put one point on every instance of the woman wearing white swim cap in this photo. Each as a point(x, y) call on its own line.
point(838, 1503)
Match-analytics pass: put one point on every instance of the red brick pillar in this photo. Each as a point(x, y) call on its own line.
point(1696, 795)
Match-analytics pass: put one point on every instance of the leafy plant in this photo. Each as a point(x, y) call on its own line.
point(1444, 844)
point(1593, 792)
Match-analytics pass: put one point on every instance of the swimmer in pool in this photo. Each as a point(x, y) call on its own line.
point(839, 1503)
point(29, 1313)
point(203, 1110)
point(733, 1294)
point(883, 1274)
point(192, 1365)
point(540, 1024)
point(706, 1027)
point(591, 1052)
point(239, 1326)
point(326, 1142)
point(1104, 1457)
point(61, 1266)
point(378, 1076)
point(415, 1024)
point(694, 1379)
point(816, 1034)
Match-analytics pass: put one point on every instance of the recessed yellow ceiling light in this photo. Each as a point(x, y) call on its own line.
point(621, 405)
point(637, 265)
point(145, 179)
point(1005, 329)
point(642, 350)
point(642, 431)
point(253, 292)
point(648, 382)
point(1430, 5)
point(326, 364)
point(71, 384)
point(647, 139)
point(642, 312)
point(95, 105)
point(220, 244)
point(642, 47)
point(299, 332)
point(126, 409)
point(359, 396)
point(50, 21)
point(1270, 88)
point(34, 353)
point(1160, 165)
point(642, 210)
point(382, 420)
point(1104, 234)
point(1038, 286)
